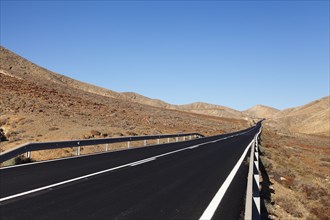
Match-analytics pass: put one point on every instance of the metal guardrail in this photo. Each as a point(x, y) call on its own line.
point(252, 202)
point(28, 148)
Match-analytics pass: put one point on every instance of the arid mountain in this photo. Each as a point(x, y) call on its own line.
point(198, 107)
point(313, 118)
point(134, 97)
point(17, 66)
point(40, 105)
point(309, 109)
point(261, 111)
point(210, 109)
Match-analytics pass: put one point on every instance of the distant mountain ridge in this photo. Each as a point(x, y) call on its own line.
point(261, 111)
point(197, 107)
point(312, 118)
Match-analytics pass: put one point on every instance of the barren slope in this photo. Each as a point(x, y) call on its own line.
point(39, 105)
point(198, 107)
point(134, 97)
point(296, 185)
point(17, 66)
point(313, 118)
point(210, 109)
point(261, 111)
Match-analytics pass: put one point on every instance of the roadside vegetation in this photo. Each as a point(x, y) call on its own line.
point(296, 182)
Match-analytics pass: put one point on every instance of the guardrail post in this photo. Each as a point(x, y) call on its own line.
point(128, 144)
point(78, 151)
point(190, 137)
point(28, 154)
point(184, 138)
point(177, 139)
point(145, 142)
point(106, 147)
point(168, 140)
point(158, 141)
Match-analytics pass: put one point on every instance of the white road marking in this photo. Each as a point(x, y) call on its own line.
point(107, 170)
point(193, 147)
point(87, 155)
point(142, 161)
point(212, 207)
point(60, 183)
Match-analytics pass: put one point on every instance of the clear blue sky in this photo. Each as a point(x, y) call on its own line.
point(231, 53)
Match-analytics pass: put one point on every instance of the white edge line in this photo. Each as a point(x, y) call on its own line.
point(101, 172)
point(212, 207)
point(60, 183)
point(143, 161)
point(86, 176)
point(193, 147)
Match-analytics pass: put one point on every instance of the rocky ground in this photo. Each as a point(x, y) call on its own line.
point(296, 175)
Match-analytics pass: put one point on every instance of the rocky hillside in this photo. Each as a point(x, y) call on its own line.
point(40, 105)
point(134, 97)
point(17, 66)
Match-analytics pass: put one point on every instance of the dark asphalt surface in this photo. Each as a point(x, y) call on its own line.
point(175, 186)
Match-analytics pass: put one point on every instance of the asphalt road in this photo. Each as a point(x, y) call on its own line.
point(170, 181)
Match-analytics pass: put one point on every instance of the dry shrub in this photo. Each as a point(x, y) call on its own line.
point(289, 204)
point(3, 121)
point(321, 212)
point(267, 163)
point(21, 160)
point(312, 192)
point(53, 129)
point(325, 159)
point(11, 134)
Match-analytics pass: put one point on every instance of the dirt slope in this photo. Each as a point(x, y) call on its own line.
point(198, 107)
point(210, 109)
point(134, 97)
point(312, 118)
point(40, 105)
point(17, 66)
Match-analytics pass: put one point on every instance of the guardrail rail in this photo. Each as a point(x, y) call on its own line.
point(252, 202)
point(29, 147)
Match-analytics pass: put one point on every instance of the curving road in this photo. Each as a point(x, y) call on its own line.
point(169, 181)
